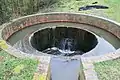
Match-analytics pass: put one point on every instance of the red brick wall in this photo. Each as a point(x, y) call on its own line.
point(21, 23)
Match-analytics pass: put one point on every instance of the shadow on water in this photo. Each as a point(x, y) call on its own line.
point(66, 41)
point(89, 7)
point(63, 41)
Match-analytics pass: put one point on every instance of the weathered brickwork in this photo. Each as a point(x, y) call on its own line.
point(88, 68)
point(21, 23)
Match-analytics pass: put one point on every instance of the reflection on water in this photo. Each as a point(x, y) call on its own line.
point(102, 33)
point(62, 69)
point(67, 44)
point(67, 47)
point(65, 70)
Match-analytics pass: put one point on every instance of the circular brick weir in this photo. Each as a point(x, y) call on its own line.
point(65, 37)
point(63, 41)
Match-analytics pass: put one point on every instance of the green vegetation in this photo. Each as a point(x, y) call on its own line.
point(10, 9)
point(12, 68)
point(108, 70)
point(22, 69)
point(73, 6)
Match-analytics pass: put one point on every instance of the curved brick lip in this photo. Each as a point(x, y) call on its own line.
point(100, 22)
point(66, 17)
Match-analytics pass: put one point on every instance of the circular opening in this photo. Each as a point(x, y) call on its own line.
point(65, 41)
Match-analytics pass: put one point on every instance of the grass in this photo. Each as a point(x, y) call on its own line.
point(108, 70)
point(12, 68)
point(73, 6)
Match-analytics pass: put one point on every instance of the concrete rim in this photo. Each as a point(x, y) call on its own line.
point(52, 13)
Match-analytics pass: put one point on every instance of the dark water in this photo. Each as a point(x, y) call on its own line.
point(67, 47)
point(61, 69)
point(101, 33)
point(63, 41)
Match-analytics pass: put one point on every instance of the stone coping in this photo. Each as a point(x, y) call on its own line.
point(23, 22)
point(42, 72)
point(15, 25)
